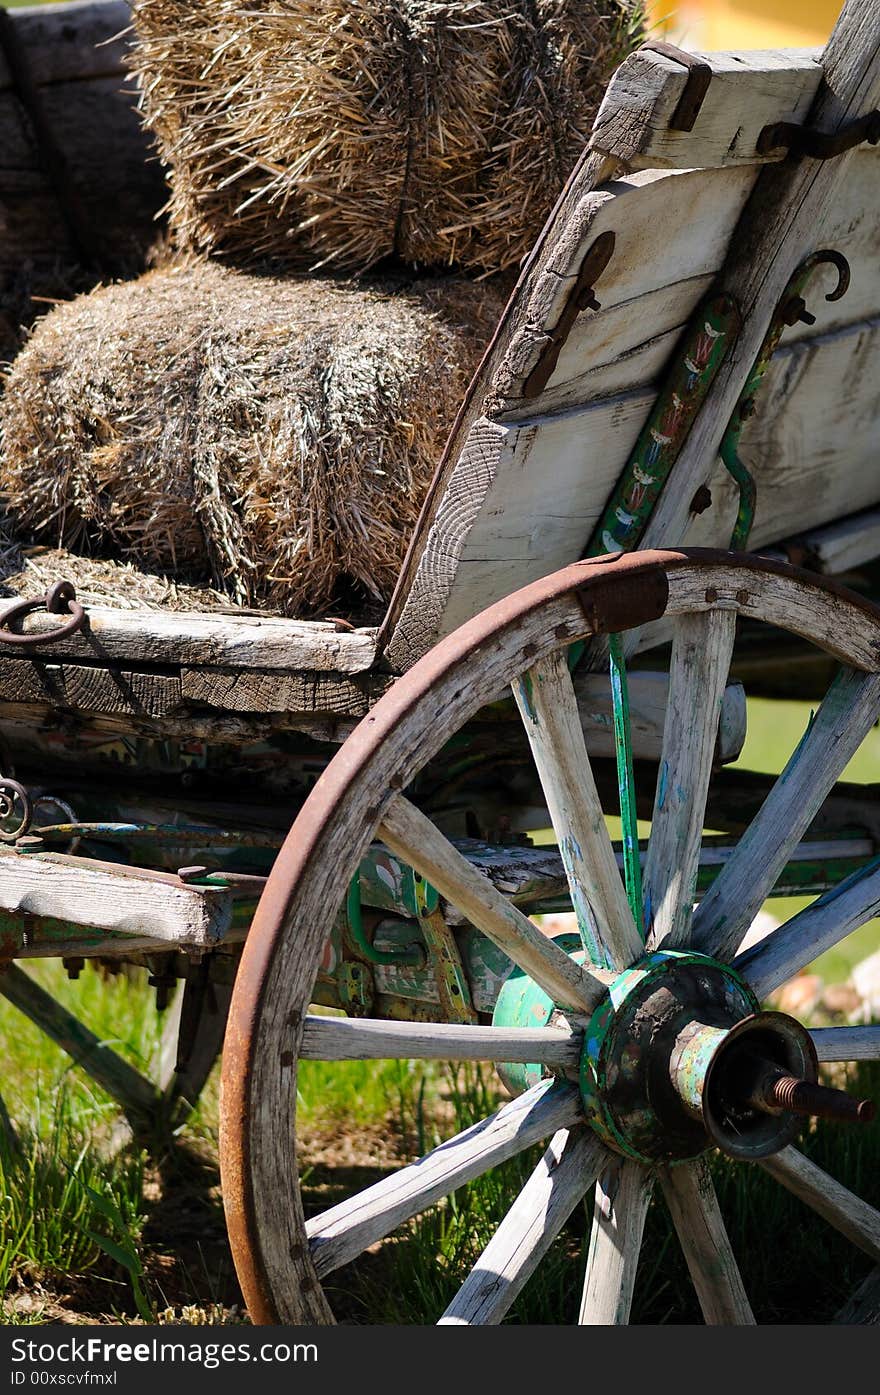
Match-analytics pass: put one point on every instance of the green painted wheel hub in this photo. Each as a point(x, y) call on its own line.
point(667, 1057)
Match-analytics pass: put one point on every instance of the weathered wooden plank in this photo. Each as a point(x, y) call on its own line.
point(623, 1193)
point(343, 1232)
point(701, 650)
point(415, 838)
point(838, 547)
point(548, 707)
point(528, 1230)
point(807, 935)
point(693, 1205)
point(89, 688)
point(781, 225)
point(365, 1039)
point(75, 40)
point(278, 690)
point(811, 448)
point(185, 639)
point(854, 1218)
point(747, 92)
point(120, 1080)
point(104, 896)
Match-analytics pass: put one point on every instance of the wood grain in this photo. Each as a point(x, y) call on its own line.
point(529, 1228)
point(548, 707)
point(747, 92)
point(623, 1193)
point(693, 1205)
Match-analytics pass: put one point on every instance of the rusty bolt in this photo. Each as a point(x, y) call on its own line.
point(775, 1089)
point(742, 597)
point(711, 595)
point(702, 500)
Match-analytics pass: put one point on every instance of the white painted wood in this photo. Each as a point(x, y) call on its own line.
point(701, 651)
point(849, 710)
point(184, 637)
point(554, 1189)
point(412, 836)
point(623, 1193)
point(365, 1039)
point(693, 1205)
point(808, 934)
point(548, 707)
point(811, 444)
point(782, 224)
point(847, 1043)
point(854, 1218)
point(747, 92)
point(530, 493)
point(345, 1230)
point(102, 896)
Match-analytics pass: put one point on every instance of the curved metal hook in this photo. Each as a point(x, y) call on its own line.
point(831, 257)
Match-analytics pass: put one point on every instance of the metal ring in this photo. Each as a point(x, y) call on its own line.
point(57, 599)
point(10, 793)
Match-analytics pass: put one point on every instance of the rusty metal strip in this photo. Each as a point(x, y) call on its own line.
point(698, 80)
point(819, 145)
point(581, 297)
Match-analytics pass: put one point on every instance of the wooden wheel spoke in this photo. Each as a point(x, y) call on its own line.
point(365, 1039)
point(846, 715)
point(548, 1198)
point(412, 836)
point(346, 1230)
point(690, 1196)
point(701, 650)
point(622, 1196)
point(808, 934)
point(548, 706)
point(853, 1217)
point(847, 1043)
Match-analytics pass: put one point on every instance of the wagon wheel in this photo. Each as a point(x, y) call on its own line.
point(622, 1104)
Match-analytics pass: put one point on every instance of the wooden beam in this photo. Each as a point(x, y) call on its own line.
point(747, 91)
point(106, 896)
point(120, 1080)
point(190, 638)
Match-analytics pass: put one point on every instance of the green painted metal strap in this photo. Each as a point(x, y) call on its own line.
point(632, 868)
point(411, 955)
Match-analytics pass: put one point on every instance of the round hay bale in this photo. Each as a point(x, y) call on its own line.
point(275, 437)
point(318, 132)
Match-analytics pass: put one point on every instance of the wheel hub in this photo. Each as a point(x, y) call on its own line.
point(678, 1058)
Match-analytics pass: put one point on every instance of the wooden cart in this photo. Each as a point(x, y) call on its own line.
point(685, 364)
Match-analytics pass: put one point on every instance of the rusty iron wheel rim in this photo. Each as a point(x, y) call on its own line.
point(305, 846)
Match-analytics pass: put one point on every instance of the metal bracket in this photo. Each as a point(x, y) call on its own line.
point(581, 297)
point(698, 80)
point(819, 145)
point(449, 973)
point(791, 308)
